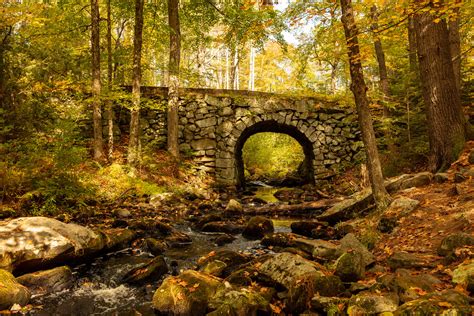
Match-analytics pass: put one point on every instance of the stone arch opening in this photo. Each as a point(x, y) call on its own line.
point(274, 127)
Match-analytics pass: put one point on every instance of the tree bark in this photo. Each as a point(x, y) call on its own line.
point(446, 125)
point(333, 82)
point(380, 54)
point(98, 145)
point(134, 142)
point(455, 46)
point(173, 81)
point(4, 45)
point(359, 89)
point(412, 44)
point(234, 69)
point(251, 86)
point(109, 110)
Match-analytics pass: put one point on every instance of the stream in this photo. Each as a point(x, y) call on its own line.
point(98, 289)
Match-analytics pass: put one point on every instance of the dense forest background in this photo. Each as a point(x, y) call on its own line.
point(48, 82)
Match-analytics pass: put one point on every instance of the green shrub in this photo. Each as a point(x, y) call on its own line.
point(271, 155)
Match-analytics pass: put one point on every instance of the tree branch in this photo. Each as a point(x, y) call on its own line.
point(7, 34)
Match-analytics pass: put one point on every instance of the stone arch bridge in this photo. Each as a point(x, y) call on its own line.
point(214, 125)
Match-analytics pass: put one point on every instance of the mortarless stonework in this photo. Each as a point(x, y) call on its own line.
point(214, 125)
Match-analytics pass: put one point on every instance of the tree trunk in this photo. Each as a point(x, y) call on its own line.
point(134, 142)
point(109, 110)
point(333, 77)
point(359, 89)
point(227, 69)
point(455, 46)
point(412, 44)
point(446, 129)
point(379, 53)
point(96, 85)
point(173, 81)
point(234, 67)
point(4, 44)
point(251, 69)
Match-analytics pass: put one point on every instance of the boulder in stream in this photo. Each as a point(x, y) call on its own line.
point(244, 301)
point(305, 228)
point(328, 305)
point(367, 303)
point(155, 247)
point(117, 238)
point(448, 302)
point(11, 292)
point(187, 294)
point(221, 263)
point(318, 249)
point(48, 281)
point(306, 286)
point(30, 243)
point(257, 227)
point(286, 268)
point(234, 207)
point(223, 239)
point(149, 271)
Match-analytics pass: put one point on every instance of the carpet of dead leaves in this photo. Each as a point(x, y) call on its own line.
point(445, 208)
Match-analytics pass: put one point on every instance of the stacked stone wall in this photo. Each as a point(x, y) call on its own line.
point(212, 123)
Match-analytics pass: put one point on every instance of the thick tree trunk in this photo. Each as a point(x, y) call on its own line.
point(134, 142)
point(98, 146)
point(412, 44)
point(109, 112)
point(359, 89)
point(173, 81)
point(455, 47)
point(446, 126)
point(380, 54)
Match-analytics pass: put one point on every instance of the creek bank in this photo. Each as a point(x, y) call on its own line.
point(332, 270)
point(279, 272)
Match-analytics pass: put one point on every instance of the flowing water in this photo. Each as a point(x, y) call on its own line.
point(98, 289)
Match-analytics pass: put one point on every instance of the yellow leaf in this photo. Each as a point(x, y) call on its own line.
point(437, 20)
point(445, 304)
point(418, 290)
point(275, 309)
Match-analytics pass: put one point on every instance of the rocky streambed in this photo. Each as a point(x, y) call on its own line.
point(236, 260)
